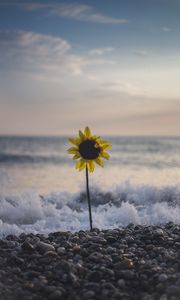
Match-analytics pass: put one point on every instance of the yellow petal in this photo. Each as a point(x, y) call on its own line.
point(87, 132)
point(104, 142)
point(81, 135)
point(77, 155)
point(80, 164)
point(90, 165)
point(74, 141)
point(99, 162)
point(72, 150)
point(104, 155)
point(95, 138)
point(105, 146)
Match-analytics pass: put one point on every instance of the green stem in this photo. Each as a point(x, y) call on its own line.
point(88, 198)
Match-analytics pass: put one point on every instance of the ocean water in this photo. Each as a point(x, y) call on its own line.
point(41, 192)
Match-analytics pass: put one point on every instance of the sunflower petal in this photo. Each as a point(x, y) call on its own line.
point(90, 165)
point(105, 155)
point(81, 135)
point(80, 164)
point(95, 138)
point(74, 141)
point(104, 142)
point(87, 132)
point(72, 150)
point(77, 155)
point(99, 162)
point(105, 146)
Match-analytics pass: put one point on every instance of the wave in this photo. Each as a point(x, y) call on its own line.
point(124, 204)
point(63, 159)
point(27, 158)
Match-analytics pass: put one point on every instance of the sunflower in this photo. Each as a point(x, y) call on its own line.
point(88, 149)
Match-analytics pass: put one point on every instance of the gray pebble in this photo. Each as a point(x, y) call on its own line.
point(162, 277)
point(61, 250)
point(89, 294)
point(44, 247)
point(121, 283)
point(57, 295)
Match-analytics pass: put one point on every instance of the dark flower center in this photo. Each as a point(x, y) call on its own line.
point(88, 150)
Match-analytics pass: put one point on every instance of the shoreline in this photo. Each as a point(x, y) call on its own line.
point(132, 263)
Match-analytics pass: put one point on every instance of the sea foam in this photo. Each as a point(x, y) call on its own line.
point(123, 204)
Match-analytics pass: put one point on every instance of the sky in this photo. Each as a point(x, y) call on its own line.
point(112, 65)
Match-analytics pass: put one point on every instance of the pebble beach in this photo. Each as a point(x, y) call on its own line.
point(130, 263)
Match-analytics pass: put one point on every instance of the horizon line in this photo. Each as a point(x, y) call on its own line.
point(69, 134)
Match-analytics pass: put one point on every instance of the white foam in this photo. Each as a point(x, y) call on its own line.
point(123, 204)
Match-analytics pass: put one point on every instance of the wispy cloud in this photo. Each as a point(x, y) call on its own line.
point(141, 53)
point(38, 53)
point(80, 12)
point(122, 86)
point(42, 54)
point(166, 29)
point(100, 51)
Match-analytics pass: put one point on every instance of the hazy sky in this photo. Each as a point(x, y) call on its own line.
point(111, 64)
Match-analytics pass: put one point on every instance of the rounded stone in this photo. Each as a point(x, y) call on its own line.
point(61, 250)
point(121, 283)
point(162, 277)
point(89, 294)
point(55, 295)
point(26, 246)
point(44, 247)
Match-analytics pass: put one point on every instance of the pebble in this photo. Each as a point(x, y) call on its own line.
point(148, 297)
point(44, 247)
point(177, 244)
point(159, 232)
point(173, 290)
point(162, 277)
point(61, 250)
point(98, 239)
point(26, 246)
point(121, 283)
point(127, 274)
point(89, 294)
point(50, 253)
point(163, 297)
point(57, 295)
point(76, 248)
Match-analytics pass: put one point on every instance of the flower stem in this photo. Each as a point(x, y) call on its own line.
point(88, 198)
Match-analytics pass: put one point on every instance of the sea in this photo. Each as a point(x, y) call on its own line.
point(42, 192)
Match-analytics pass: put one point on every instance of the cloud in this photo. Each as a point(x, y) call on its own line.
point(75, 11)
point(166, 29)
point(42, 55)
point(40, 44)
point(120, 86)
point(141, 53)
point(100, 51)
point(38, 53)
